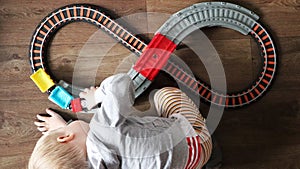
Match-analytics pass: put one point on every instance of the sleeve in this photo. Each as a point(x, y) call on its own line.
point(116, 94)
point(99, 156)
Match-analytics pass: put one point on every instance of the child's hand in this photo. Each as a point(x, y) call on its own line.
point(52, 122)
point(89, 96)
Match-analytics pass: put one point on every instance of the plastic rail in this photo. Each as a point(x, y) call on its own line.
point(227, 15)
point(175, 29)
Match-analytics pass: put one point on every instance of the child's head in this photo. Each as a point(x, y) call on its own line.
point(63, 148)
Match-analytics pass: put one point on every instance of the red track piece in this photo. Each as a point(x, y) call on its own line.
point(155, 56)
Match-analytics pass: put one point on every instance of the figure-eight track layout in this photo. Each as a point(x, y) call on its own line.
point(150, 61)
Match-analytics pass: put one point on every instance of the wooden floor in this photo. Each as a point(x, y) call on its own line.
point(263, 135)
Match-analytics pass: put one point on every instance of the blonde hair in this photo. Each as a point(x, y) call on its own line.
point(50, 154)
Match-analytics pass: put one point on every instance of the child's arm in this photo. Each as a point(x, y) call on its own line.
point(116, 95)
point(51, 122)
point(89, 96)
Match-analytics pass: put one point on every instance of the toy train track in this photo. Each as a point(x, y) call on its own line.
point(171, 33)
point(209, 14)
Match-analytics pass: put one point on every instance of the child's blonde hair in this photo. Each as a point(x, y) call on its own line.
point(51, 154)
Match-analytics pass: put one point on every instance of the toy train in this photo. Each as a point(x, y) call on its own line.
point(57, 94)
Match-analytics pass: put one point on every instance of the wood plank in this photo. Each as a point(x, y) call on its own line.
point(18, 135)
point(14, 13)
point(62, 60)
point(283, 164)
point(14, 60)
point(235, 57)
point(275, 22)
point(261, 135)
point(288, 54)
point(271, 132)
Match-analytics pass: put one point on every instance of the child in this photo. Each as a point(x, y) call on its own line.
point(116, 139)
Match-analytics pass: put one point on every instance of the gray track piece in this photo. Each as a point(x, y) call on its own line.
point(208, 14)
point(139, 81)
